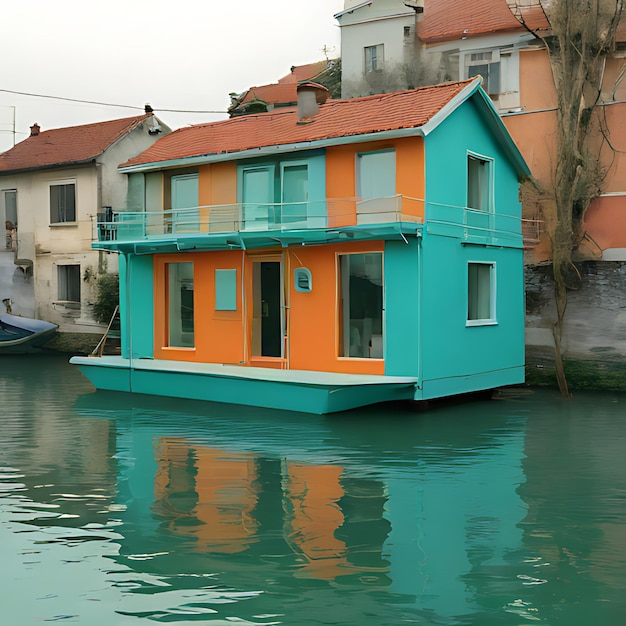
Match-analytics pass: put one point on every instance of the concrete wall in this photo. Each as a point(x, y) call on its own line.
point(594, 338)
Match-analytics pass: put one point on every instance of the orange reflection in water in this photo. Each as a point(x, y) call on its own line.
point(207, 494)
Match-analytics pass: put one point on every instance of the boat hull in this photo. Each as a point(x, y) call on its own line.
point(302, 391)
point(24, 335)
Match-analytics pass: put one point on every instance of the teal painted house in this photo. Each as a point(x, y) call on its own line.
point(338, 254)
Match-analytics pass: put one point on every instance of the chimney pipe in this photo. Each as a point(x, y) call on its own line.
point(34, 130)
point(310, 97)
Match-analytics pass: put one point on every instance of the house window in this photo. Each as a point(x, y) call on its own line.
point(62, 203)
point(374, 58)
point(480, 293)
point(225, 290)
point(68, 279)
point(376, 174)
point(10, 206)
point(294, 192)
point(478, 183)
point(179, 278)
point(361, 305)
point(487, 65)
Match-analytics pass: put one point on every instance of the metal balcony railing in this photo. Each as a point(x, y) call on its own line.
point(254, 216)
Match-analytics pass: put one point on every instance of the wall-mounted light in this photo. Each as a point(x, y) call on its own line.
point(302, 280)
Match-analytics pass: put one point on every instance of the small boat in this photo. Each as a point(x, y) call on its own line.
point(21, 335)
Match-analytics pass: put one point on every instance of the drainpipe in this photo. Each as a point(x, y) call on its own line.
point(129, 324)
point(420, 317)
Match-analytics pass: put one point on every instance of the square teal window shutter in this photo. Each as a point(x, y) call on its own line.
point(225, 290)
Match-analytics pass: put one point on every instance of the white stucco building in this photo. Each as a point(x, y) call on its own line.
point(54, 187)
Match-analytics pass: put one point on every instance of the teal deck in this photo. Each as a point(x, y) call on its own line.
point(292, 390)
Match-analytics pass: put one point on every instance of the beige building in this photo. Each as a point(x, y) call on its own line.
point(55, 187)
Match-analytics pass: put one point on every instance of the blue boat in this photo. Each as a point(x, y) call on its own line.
point(23, 335)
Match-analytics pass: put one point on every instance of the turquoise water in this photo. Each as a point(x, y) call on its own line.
point(118, 509)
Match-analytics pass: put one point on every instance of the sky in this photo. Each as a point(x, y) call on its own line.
point(184, 55)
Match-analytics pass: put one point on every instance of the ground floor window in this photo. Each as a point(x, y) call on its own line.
point(361, 305)
point(480, 293)
point(179, 278)
point(68, 280)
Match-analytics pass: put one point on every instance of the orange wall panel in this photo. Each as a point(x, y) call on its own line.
point(313, 316)
point(341, 175)
point(340, 183)
point(218, 335)
point(604, 222)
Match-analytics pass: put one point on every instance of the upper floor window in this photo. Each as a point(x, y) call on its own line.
point(479, 183)
point(376, 174)
point(374, 58)
point(487, 64)
point(62, 203)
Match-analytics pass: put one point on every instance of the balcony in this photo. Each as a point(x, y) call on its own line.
point(259, 218)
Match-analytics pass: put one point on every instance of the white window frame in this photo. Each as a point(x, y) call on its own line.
point(375, 62)
point(494, 59)
point(492, 319)
point(489, 198)
point(63, 283)
point(344, 319)
point(61, 183)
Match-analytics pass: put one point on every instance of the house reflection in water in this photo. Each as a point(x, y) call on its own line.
point(220, 499)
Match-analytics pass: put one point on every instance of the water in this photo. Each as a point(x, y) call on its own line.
point(120, 510)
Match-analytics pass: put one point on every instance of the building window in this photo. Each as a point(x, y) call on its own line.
point(225, 290)
point(487, 65)
point(480, 293)
point(478, 183)
point(374, 58)
point(376, 174)
point(179, 278)
point(68, 278)
point(361, 305)
point(62, 203)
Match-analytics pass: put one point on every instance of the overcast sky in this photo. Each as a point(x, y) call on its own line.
point(175, 54)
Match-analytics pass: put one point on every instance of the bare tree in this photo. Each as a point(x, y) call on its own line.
point(581, 37)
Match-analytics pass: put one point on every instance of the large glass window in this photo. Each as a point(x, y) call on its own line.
point(181, 305)
point(62, 203)
point(361, 285)
point(480, 293)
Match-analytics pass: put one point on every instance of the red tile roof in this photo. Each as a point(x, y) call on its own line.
point(66, 146)
point(449, 20)
point(284, 92)
point(304, 72)
point(336, 118)
point(272, 94)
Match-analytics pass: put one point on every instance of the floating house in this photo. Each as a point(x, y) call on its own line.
point(324, 257)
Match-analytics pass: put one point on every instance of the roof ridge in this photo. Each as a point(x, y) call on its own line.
point(117, 120)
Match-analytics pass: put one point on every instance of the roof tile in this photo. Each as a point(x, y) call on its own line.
point(336, 118)
point(66, 146)
point(449, 20)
